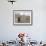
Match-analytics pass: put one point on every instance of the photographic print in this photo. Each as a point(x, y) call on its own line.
point(22, 16)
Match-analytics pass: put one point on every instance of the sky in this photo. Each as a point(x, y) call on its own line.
point(8, 31)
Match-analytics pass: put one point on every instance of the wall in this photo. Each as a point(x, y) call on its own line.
point(37, 31)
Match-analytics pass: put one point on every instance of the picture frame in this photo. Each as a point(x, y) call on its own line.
point(22, 17)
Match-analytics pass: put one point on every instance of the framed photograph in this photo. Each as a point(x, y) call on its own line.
point(22, 17)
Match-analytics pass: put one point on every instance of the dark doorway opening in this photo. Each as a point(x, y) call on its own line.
point(18, 19)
